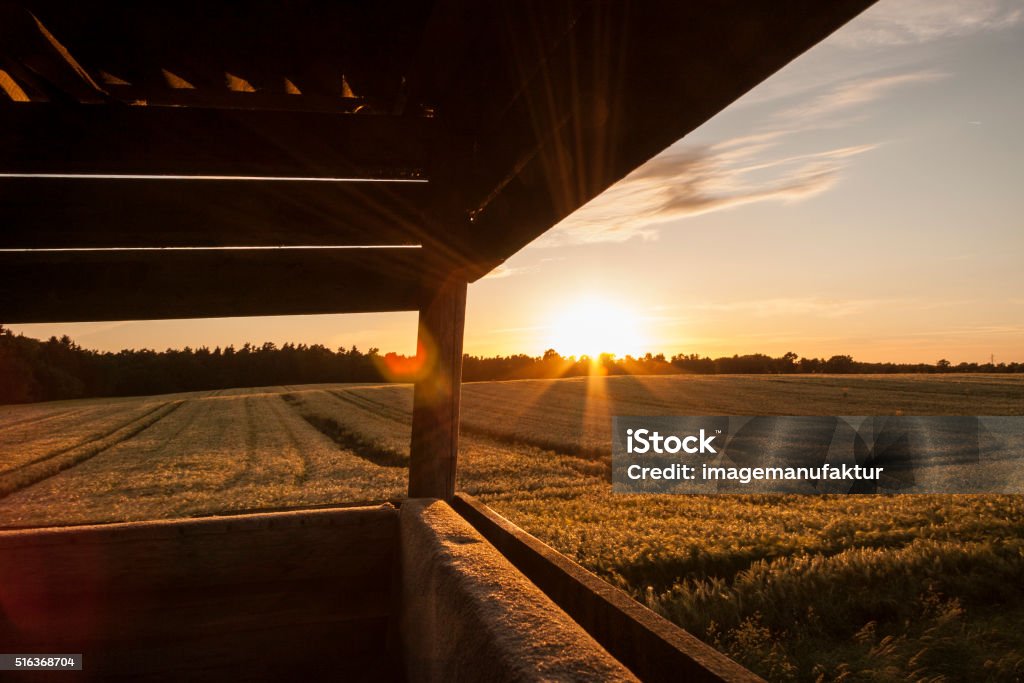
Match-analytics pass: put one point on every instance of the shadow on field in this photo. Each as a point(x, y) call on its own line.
point(351, 441)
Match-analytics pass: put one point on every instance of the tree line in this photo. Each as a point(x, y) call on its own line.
point(34, 370)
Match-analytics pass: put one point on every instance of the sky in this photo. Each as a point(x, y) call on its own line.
point(866, 200)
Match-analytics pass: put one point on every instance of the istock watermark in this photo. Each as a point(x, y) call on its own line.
point(817, 455)
point(646, 441)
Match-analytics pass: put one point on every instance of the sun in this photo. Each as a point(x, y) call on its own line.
point(594, 325)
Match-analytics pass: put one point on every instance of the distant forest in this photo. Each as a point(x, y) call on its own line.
point(34, 370)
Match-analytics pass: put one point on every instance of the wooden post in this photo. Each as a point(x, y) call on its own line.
point(435, 412)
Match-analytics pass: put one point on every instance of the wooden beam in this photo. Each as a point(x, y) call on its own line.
point(435, 415)
point(228, 98)
point(466, 613)
point(12, 89)
point(73, 286)
point(65, 213)
point(108, 139)
point(651, 646)
point(35, 56)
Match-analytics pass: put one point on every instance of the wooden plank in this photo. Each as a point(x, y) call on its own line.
point(465, 613)
point(254, 548)
point(351, 650)
point(169, 612)
point(627, 81)
point(37, 138)
point(62, 213)
point(435, 414)
point(652, 647)
point(184, 598)
point(270, 100)
point(72, 286)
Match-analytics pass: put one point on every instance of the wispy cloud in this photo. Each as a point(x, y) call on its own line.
point(688, 180)
point(907, 22)
point(859, 92)
point(691, 181)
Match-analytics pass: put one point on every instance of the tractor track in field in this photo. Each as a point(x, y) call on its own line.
point(347, 439)
point(385, 410)
point(40, 419)
point(34, 471)
point(281, 408)
point(251, 472)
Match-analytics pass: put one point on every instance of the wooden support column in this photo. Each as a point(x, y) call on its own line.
point(435, 412)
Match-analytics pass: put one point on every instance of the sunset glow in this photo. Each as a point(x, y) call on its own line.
point(594, 325)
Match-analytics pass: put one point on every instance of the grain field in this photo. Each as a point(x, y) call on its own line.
point(797, 588)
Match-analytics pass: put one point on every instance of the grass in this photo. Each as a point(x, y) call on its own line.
point(854, 588)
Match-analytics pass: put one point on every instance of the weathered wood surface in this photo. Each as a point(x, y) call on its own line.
point(138, 285)
point(434, 450)
point(253, 596)
point(93, 213)
point(468, 615)
point(107, 139)
point(652, 647)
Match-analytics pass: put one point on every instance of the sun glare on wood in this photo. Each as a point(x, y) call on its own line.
point(594, 325)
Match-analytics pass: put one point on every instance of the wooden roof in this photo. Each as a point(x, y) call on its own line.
point(445, 135)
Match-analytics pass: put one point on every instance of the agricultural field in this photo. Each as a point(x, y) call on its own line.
point(855, 588)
